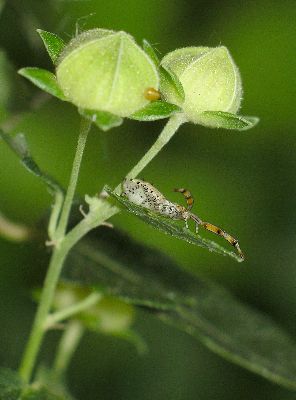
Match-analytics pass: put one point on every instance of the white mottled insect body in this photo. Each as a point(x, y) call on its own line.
point(146, 195)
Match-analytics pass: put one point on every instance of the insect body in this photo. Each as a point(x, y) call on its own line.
point(144, 194)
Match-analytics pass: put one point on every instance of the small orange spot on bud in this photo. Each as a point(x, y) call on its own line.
point(152, 94)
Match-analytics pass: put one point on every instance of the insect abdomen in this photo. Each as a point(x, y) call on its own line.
point(144, 194)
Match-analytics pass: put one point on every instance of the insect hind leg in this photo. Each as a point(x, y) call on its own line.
point(225, 235)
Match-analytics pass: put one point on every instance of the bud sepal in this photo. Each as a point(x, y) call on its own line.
point(53, 44)
point(220, 119)
point(156, 110)
point(102, 119)
point(44, 80)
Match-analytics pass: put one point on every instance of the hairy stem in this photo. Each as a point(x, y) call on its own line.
point(38, 330)
point(62, 226)
point(54, 270)
point(55, 213)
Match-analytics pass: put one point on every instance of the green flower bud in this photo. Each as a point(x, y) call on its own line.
point(210, 79)
point(103, 70)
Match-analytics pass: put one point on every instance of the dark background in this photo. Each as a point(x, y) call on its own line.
point(242, 181)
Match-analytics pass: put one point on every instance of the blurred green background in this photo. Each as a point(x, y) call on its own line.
point(242, 181)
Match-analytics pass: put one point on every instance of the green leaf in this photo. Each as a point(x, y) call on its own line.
point(53, 43)
point(221, 119)
point(171, 227)
point(170, 83)
point(43, 79)
point(110, 261)
point(19, 146)
point(150, 52)
point(10, 385)
point(103, 119)
point(155, 110)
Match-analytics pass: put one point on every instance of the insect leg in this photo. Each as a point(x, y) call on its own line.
point(197, 221)
point(188, 197)
point(220, 232)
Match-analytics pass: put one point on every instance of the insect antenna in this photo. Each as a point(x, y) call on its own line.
point(188, 197)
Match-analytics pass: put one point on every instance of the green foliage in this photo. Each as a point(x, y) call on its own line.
point(150, 52)
point(170, 227)
point(138, 275)
point(171, 83)
point(44, 80)
point(111, 262)
point(155, 110)
point(226, 120)
point(53, 44)
point(102, 119)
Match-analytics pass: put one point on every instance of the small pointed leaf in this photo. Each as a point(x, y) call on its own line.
point(171, 227)
point(103, 119)
point(221, 119)
point(53, 43)
point(147, 47)
point(155, 110)
point(170, 83)
point(43, 79)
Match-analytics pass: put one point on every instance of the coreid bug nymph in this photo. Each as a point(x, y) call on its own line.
point(152, 94)
point(144, 194)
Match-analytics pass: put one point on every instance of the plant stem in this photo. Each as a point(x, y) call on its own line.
point(68, 344)
point(55, 213)
point(167, 133)
point(57, 259)
point(84, 129)
point(38, 330)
